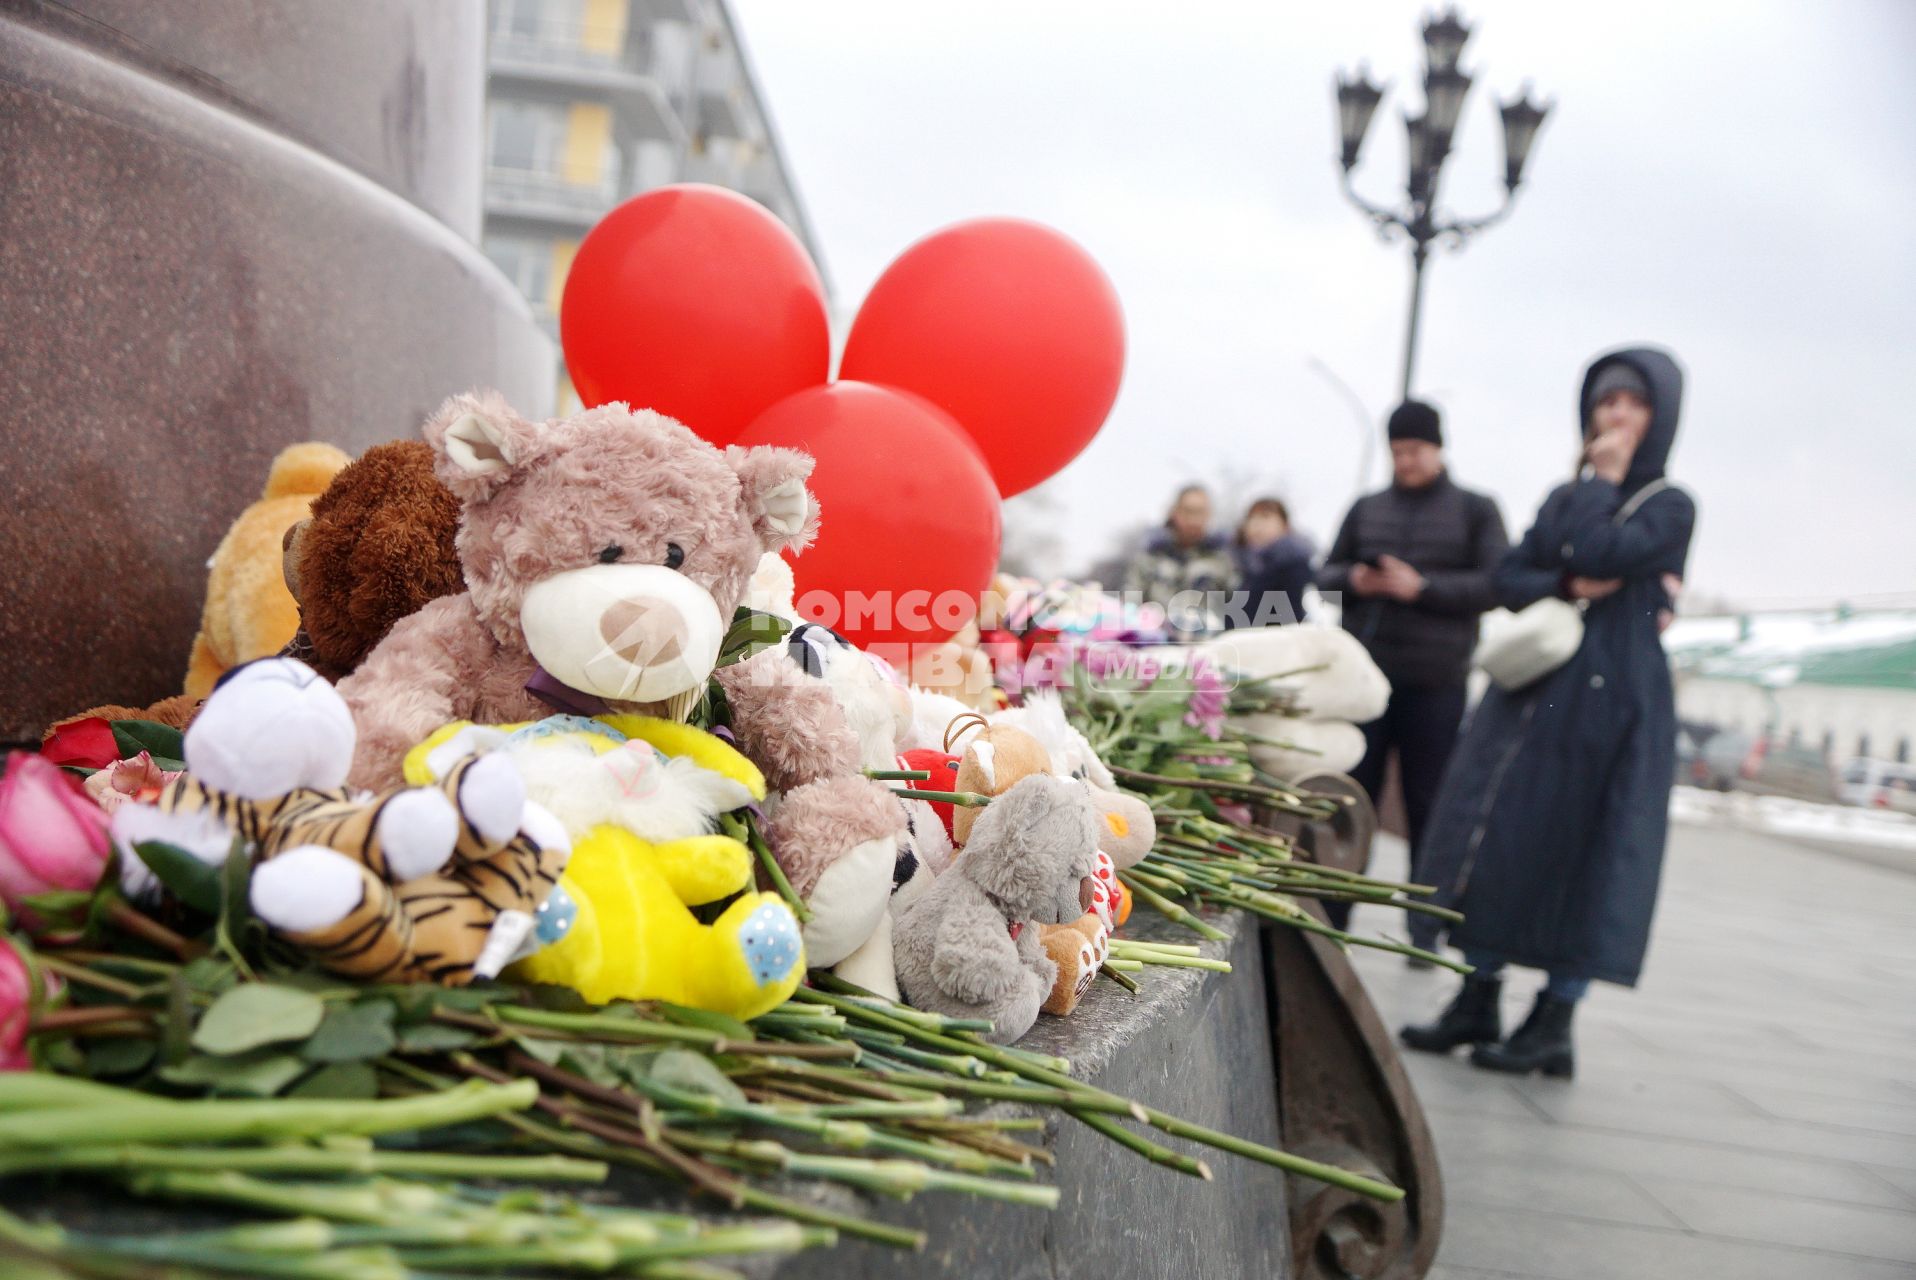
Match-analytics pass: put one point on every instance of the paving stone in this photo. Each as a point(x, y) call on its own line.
point(1749, 1111)
point(1788, 1220)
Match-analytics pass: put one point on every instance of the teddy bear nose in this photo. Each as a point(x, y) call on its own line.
point(1086, 893)
point(643, 632)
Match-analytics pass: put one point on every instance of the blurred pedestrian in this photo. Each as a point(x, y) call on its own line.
point(1185, 567)
point(1413, 565)
point(1273, 566)
point(1549, 832)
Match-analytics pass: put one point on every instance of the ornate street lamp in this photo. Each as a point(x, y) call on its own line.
point(1428, 134)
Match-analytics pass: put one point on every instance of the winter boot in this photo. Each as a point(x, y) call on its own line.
point(1542, 1043)
point(1472, 1018)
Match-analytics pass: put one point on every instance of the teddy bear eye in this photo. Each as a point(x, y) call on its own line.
point(674, 555)
point(611, 553)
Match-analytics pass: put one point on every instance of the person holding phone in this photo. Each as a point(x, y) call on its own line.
point(1548, 834)
point(1412, 565)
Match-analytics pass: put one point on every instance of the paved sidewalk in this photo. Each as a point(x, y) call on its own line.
point(1749, 1111)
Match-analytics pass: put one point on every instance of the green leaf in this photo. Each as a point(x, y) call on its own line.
point(60, 909)
point(434, 1037)
point(185, 876)
point(259, 1075)
point(546, 1051)
point(750, 632)
point(238, 933)
point(557, 999)
point(176, 1031)
point(134, 736)
point(353, 1033)
point(209, 974)
point(119, 1056)
point(726, 1025)
point(257, 1013)
point(694, 1073)
point(355, 1080)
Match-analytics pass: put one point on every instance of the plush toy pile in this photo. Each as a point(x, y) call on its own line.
point(547, 721)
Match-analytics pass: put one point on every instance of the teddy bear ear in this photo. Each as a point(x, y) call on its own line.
point(783, 512)
point(478, 441)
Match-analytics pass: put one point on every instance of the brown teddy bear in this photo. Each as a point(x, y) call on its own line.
point(603, 555)
point(249, 612)
point(377, 547)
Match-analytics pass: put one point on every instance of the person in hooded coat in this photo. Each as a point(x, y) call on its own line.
point(1549, 828)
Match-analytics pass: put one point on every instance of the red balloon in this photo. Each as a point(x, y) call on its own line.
point(697, 302)
point(1008, 326)
point(908, 532)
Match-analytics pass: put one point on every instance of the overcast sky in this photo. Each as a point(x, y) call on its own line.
point(1736, 181)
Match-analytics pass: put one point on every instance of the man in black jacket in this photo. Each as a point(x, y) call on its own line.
point(1413, 566)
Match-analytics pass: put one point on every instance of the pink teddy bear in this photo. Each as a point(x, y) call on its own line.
point(603, 555)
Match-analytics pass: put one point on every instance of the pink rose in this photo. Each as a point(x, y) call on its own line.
point(16, 990)
point(136, 779)
point(52, 835)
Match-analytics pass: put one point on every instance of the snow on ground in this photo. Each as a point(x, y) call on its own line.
point(1829, 824)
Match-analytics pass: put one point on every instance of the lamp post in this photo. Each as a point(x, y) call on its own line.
point(1429, 134)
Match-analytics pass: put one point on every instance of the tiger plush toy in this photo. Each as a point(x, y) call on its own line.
point(444, 883)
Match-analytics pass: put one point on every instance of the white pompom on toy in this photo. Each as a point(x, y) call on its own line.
point(271, 726)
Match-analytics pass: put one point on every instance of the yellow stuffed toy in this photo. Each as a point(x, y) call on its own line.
point(639, 796)
point(249, 612)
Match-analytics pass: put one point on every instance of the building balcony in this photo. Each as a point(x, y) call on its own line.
point(534, 196)
point(630, 81)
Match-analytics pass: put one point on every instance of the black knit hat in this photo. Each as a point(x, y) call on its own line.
point(1415, 420)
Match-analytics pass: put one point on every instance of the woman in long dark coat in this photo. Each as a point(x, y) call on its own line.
point(1548, 833)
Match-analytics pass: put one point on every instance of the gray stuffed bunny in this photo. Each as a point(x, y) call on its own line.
point(969, 947)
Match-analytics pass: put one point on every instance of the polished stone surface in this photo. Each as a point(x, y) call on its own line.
point(183, 291)
point(1748, 1111)
point(393, 88)
point(1194, 1044)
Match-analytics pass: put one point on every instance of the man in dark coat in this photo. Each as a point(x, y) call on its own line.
point(1413, 564)
point(1549, 832)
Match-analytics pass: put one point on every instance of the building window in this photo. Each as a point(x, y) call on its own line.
point(528, 137)
point(1862, 746)
point(1829, 742)
point(1902, 749)
point(526, 261)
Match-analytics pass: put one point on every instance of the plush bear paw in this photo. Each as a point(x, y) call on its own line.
point(418, 831)
point(306, 888)
point(492, 796)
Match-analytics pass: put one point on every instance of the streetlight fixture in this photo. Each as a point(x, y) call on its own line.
point(1429, 134)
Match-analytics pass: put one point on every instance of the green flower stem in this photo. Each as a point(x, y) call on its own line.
point(825, 980)
point(1170, 1124)
point(612, 1026)
point(1162, 948)
point(899, 775)
point(1118, 964)
point(1123, 980)
point(374, 1203)
point(1151, 1151)
point(584, 1253)
point(1176, 962)
point(1036, 1095)
point(767, 1237)
point(30, 1090)
point(750, 1196)
point(140, 1119)
point(309, 1160)
point(1171, 910)
point(79, 973)
point(963, 799)
point(773, 872)
point(1284, 1160)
